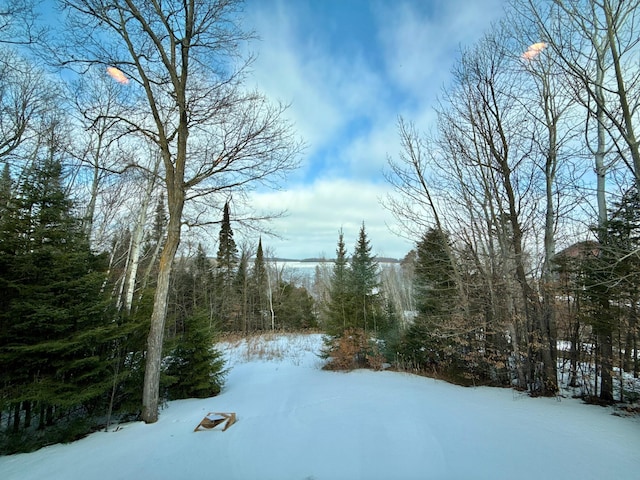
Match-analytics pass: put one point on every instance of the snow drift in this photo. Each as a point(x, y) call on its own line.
point(296, 421)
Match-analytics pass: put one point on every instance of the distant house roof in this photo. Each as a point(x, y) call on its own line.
point(579, 250)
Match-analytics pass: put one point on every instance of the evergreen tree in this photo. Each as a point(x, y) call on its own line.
point(338, 310)
point(203, 280)
point(430, 342)
point(624, 236)
point(225, 272)
point(242, 292)
point(193, 366)
point(55, 327)
point(154, 239)
point(353, 309)
point(259, 288)
point(5, 189)
point(434, 280)
point(364, 286)
point(295, 308)
point(612, 284)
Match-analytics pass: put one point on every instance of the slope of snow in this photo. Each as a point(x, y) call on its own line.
point(296, 421)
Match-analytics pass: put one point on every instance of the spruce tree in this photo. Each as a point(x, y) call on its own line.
point(193, 366)
point(295, 308)
point(338, 310)
point(434, 280)
point(225, 272)
point(5, 189)
point(241, 292)
point(612, 285)
point(55, 328)
point(202, 280)
point(429, 341)
point(353, 309)
point(259, 288)
point(364, 285)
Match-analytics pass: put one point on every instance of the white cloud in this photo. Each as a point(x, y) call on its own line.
point(345, 103)
point(421, 40)
point(318, 211)
point(325, 89)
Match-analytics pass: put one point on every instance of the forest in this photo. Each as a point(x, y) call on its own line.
point(523, 203)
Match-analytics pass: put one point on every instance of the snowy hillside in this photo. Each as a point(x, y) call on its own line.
point(296, 421)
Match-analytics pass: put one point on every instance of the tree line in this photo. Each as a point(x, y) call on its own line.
point(90, 274)
point(110, 302)
point(72, 347)
point(524, 199)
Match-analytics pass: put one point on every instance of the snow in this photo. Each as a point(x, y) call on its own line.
point(296, 421)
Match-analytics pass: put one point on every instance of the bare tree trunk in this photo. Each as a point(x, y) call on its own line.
point(270, 295)
point(137, 237)
point(151, 387)
point(626, 127)
point(606, 370)
point(548, 316)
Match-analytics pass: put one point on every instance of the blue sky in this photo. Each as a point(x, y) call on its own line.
point(349, 68)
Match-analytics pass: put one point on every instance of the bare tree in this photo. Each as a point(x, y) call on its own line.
point(18, 25)
point(25, 96)
point(182, 59)
point(94, 102)
point(483, 165)
point(595, 42)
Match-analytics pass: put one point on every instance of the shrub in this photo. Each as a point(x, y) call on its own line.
point(352, 349)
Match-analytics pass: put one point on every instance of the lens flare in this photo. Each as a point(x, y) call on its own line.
point(117, 75)
point(534, 50)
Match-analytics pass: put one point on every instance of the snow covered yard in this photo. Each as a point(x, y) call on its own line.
point(296, 421)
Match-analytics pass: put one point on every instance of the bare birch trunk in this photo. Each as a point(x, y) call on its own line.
point(137, 238)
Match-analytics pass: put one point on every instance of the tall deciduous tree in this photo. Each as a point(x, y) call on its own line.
point(481, 162)
point(596, 43)
point(25, 96)
point(178, 58)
